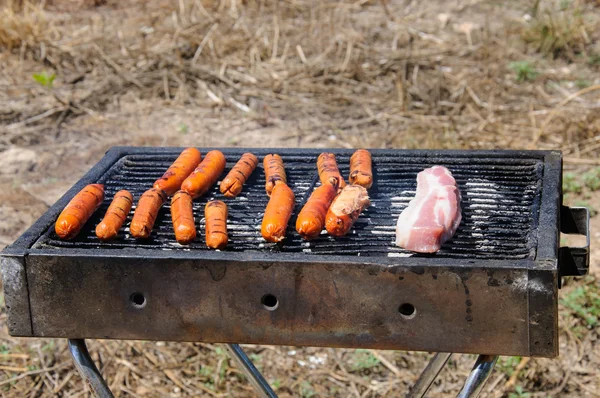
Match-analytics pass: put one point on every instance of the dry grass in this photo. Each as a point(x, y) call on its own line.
point(287, 73)
point(335, 69)
point(561, 30)
point(24, 30)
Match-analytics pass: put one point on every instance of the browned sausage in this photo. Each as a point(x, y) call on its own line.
point(115, 216)
point(78, 211)
point(360, 169)
point(146, 212)
point(215, 214)
point(274, 172)
point(345, 209)
point(182, 215)
point(278, 213)
point(171, 181)
point(205, 175)
point(329, 172)
point(311, 219)
point(231, 186)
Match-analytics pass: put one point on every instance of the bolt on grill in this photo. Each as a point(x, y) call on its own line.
point(492, 288)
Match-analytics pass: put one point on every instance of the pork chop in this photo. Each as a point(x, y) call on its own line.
point(433, 216)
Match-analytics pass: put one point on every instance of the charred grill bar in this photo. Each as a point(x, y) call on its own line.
point(491, 289)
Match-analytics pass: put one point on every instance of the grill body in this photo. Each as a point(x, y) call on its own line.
point(491, 289)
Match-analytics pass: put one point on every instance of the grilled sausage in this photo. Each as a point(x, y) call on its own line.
point(311, 219)
point(115, 216)
point(231, 186)
point(274, 172)
point(345, 209)
point(205, 175)
point(78, 211)
point(171, 181)
point(215, 214)
point(182, 215)
point(329, 172)
point(278, 213)
point(360, 169)
point(146, 212)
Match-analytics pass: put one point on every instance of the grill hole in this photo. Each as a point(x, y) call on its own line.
point(270, 302)
point(407, 310)
point(138, 300)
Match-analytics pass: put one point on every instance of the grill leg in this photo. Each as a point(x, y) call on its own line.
point(88, 371)
point(433, 369)
point(245, 364)
point(479, 375)
point(473, 385)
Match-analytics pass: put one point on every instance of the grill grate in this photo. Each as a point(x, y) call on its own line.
point(500, 204)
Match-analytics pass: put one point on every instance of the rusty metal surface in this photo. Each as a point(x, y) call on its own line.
point(542, 288)
point(16, 297)
point(458, 309)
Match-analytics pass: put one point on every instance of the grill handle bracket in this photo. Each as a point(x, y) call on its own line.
point(574, 261)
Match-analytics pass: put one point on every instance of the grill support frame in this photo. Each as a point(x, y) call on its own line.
point(474, 383)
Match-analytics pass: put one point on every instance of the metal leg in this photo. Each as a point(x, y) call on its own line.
point(479, 374)
point(245, 364)
point(88, 371)
point(92, 377)
point(473, 385)
point(433, 369)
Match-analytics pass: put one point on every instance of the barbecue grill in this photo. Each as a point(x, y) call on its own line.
point(492, 289)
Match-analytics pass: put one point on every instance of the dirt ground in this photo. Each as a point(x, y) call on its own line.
point(81, 76)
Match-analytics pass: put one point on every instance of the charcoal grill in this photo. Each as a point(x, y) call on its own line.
point(492, 289)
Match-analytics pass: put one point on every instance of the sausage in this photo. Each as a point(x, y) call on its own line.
point(182, 215)
point(274, 172)
point(115, 216)
point(278, 213)
point(215, 214)
point(171, 181)
point(311, 219)
point(78, 211)
point(205, 175)
point(231, 186)
point(329, 172)
point(360, 169)
point(146, 212)
point(345, 209)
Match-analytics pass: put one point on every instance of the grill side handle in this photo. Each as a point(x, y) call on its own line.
point(574, 261)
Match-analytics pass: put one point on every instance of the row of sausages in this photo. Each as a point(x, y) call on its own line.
point(333, 205)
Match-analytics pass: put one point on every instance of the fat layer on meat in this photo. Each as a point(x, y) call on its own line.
point(433, 216)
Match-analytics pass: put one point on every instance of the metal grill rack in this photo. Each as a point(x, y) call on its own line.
point(500, 206)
